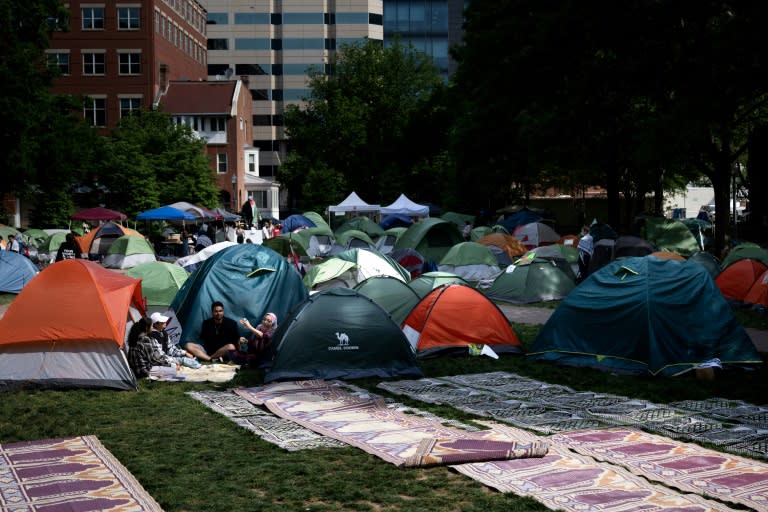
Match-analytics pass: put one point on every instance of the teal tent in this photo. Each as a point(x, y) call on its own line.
point(671, 235)
point(393, 295)
point(340, 334)
point(645, 315)
point(537, 280)
point(248, 279)
point(431, 237)
point(428, 281)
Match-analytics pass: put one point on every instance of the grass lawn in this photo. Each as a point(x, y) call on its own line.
point(192, 459)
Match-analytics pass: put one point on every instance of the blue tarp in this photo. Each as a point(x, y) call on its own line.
point(166, 213)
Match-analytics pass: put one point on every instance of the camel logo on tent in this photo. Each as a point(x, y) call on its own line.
point(343, 344)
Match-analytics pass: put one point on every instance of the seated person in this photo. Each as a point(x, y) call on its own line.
point(255, 349)
point(218, 336)
point(142, 355)
point(172, 352)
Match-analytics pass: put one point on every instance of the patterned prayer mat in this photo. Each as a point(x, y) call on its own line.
point(206, 373)
point(281, 432)
point(369, 424)
point(73, 474)
point(687, 467)
point(562, 480)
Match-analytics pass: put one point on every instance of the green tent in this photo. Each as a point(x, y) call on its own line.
point(127, 251)
point(470, 260)
point(428, 281)
point(47, 251)
point(393, 295)
point(351, 238)
point(363, 224)
point(645, 315)
point(538, 280)
point(318, 219)
point(35, 237)
point(160, 282)
point(340, 334)
point(431, 237)
point(479, 232)
point(670, 235)
point(744, 251)
point(314, 242)
point(248, 279)
point(385, 243)
point(459, 219)
point(351, 267)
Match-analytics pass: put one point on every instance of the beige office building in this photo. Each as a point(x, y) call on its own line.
point(273, 43)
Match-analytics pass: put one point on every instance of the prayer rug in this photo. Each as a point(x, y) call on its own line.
point(283, 433)
point(684, 466)
point(562, 480)
point(206, 373)
point(367, 423)
point(76, 473)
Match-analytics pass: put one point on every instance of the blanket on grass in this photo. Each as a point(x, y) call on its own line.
point(367, 423)
point(206, 373)
point(563, 480)
point(76, 473)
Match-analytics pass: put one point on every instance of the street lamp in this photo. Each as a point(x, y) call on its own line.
point(234, 192)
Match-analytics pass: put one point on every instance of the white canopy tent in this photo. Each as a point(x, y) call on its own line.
point(404, 206)
point(353, 204)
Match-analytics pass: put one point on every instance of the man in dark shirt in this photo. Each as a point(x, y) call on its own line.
point(68, 250)
point(218, 336)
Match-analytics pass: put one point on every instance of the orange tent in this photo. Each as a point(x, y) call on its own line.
point(507, 243)
point(455, 316)
point(572, 240)
point(737, 278)
point(758, 293)
point(667, 255)
point(98, 240)
point(67, 329)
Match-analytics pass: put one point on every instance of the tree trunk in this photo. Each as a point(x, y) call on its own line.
point(721, 183)
point(757, 171)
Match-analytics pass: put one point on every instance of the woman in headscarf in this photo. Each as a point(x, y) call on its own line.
point(254, 349)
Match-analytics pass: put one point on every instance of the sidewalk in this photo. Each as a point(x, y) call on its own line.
point(534, 315)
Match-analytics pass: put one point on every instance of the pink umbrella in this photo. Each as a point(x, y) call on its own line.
point(99, 214)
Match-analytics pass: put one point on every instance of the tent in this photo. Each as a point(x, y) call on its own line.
point(340, 334)
point(758, 293)
point(310, 242)
point(353, 204)
point(519, 218)
point(745, 251)
point(16, 270)
point(479, 232)
point(453, 317)
point(539, 280)
point(410, 260)
point(470, 260)
point(191, 262)
point(458, 218)
point(737, 278)
point(167, 213)
point(98, 213)
point(404, 206)
point(352, 238)
point(67, 327)
point(128, 251)
point(225, 215)
point(160, 281)
point(644, 315)
point(318, 219)
point(394, 296)
point(363, 224)
point(97, 241)
point(535, 234)
point(630, 245)
point(708, 261)
point(386, 242)
point(395, 221)
point(431, 237)
point(295, 222)
point(428, 281)
point(248, 279)
point(47, 251)
point(510, 247)
point(200, 213)
point(351, 267)
point(35, 237)
point(670, 235)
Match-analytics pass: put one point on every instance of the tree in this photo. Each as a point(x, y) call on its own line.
point(354, 128)
point(150, 161)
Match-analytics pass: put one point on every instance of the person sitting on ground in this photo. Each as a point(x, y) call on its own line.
point(254, 349)
point(218, 336)
point(172, 352)
point(142, 355)
point(14, 243)
point(68, 250)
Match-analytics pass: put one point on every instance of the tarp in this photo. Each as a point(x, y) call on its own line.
point(199, 212)
point(67, 329)
point(404, 206)
point(431, 237)
point(644, 315)
point(99, 213)
point(353, 203)
point(453, 317)
point(16, 270)
point(539, 280)
point(340, 334)
point(128, 251)
point(248, 279)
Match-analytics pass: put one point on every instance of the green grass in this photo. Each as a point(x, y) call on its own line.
point(192, 459)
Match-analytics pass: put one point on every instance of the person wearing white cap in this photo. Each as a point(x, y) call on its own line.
point(173, 353)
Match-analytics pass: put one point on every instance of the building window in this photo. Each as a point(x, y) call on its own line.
point(261, 121)
point(221, 162)
point(352, 18)
point(251, 18)
point(60, 62)
point(129, 106)
point(93, 18)
point(128, 18)
point(93, 64)
point(95, 111)
point(130, 63)
point(252, 163)
point(218, 124)
point(218, 44)
point(302, 43)
point(252, 69)
point(252, 43)
point(217, 18)
point(217, 69)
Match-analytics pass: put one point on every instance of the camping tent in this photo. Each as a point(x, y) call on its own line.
point(66, 329)
point(428, 281)
point(453, 317)
point(98, 213)
point(47, 251)
point(394, 296)
point(386, 242)
point(470, 260)
point(511, 247)
point(160, 281)
point(410, 260)
point(310, 242)
point(352, 238)
point(431, 237)
point(97, 241)
point(340, 334)
point(363, 224)
point(644, 315)
point(351, 267)
point(191, 262)
point(708, 261)
point(128, 251)
point(200, 213)
point(353, 204)
point(248, 279)
point(535, 234)
point(737, 278)
point(670, 235)
point(758, 293)
point(745, 251)
point(16, 271)
point(539, 280)
point(395, 221)
point(404, 206)
point(295, 222)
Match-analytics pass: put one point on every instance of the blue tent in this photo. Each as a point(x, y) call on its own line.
point(294, 222)
point(16, 271)
point(645, 315)
point(249, 279)
point(395, 220)
point(168, 213)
